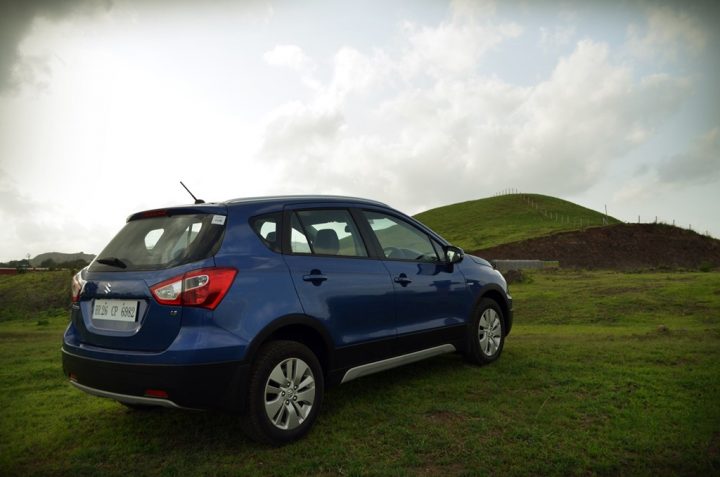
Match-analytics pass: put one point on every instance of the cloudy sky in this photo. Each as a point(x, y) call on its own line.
point(106, 105)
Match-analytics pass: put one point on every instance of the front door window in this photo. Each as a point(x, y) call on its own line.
point(400, 240)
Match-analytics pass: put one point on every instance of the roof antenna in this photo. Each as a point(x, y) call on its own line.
point(197, 201)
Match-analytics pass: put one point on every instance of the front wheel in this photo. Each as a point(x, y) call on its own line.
point(284, 393)
point(486, 335)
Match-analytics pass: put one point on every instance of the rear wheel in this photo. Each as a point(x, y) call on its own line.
point(486, 336)
point(284, 393)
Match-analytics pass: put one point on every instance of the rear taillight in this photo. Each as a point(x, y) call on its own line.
point(204, 288)
point(76, 287)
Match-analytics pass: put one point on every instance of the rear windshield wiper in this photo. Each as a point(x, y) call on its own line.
point(112, 261)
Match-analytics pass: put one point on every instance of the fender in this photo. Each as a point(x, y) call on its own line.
point(505, 304)
point(289, 320)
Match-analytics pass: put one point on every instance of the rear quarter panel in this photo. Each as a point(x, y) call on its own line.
point(263, 290)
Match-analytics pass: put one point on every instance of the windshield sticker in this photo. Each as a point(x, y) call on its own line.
point(218, 220)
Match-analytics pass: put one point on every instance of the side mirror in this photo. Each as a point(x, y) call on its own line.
point(453, 254)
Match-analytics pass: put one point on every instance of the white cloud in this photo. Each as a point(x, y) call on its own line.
point(680, 189)
point(295, 131)
point(33, 226)
point(466, 136)
point(290, 56)
point(472, 10)
point(17, 69)
point(571, 127)
point(355, 72)
point(699, 164)
point(555, 37)
point(455, 47)
point(668, 34)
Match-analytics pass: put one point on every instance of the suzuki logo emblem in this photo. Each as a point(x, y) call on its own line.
point(108, 288)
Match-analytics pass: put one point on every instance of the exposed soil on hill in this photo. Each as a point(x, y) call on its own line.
point(622, 246)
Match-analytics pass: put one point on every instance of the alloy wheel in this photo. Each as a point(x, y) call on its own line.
point(289, 393)
point(489, 332)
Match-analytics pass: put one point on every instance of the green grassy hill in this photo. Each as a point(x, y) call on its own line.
point(497, 220)
point(59, 258)
point(34, 295)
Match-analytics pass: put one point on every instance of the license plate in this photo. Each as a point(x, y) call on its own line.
point(115, 310)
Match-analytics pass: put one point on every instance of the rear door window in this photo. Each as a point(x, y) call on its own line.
point(157, 243)
point(298, 240)
point(326, 232)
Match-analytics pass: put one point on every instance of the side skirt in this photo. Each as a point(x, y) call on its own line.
point(395, 361)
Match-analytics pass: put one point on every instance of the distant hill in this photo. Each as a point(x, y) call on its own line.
point(484, 223)
point(60, 258)
point(617, 247)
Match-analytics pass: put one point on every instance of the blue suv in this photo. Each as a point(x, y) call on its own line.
point(257, 305)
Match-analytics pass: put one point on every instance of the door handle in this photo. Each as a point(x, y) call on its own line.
point(315, 276)
point(402, 279)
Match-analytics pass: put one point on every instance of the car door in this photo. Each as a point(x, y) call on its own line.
point(339, 283)
point(432, 302)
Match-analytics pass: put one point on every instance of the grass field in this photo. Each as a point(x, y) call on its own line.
point(494, 221)
point(604, 373)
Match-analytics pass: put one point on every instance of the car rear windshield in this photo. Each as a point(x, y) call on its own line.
point(157, 243)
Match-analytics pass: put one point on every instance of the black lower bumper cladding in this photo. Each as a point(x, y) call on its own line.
point(197, 386)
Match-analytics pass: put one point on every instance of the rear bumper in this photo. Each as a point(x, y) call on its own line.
point(202, 386)
point(128, 398)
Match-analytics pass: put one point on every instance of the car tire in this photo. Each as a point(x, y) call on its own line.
point(486, 334)
point(285, 391)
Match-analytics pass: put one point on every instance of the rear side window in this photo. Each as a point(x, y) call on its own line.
point(326, 232)
point(267, 227)
point(162, 242)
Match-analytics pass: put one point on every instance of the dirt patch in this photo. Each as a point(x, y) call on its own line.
point(617, 247)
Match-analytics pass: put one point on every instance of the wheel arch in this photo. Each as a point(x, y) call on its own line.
point(300, 328)
point(498, 296)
